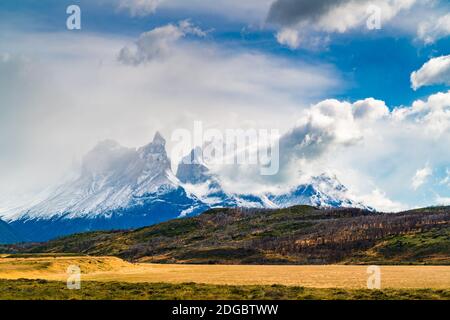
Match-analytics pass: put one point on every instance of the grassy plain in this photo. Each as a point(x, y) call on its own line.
point(109, 269)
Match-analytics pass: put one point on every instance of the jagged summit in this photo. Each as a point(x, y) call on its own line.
point(192, 168)
point(194, 157)
point(156, 147)
point(158, 139)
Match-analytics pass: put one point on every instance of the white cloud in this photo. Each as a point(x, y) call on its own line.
point(370, 109)
point(157, 43)
point(446, 179)
point(138, 7)
point(371, 147)
point(88, 96)
point(434, 29)
point(299, 19)
point(433, 115)
point(354, 14)
point(421, 176)
point(289, 37)
point(332, 123)
point(379, 200)
point(435, 71)
point(323, 128)
point(329, 121)
point(443, 201)
point(294, 39)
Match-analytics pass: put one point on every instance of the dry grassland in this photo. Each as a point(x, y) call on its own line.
point(107, 269)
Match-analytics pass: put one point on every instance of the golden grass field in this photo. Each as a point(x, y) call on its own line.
point(330, 276)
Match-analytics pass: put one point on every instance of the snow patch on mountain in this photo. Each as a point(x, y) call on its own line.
point(321, 191)
point(121, 188)
point(112, 177)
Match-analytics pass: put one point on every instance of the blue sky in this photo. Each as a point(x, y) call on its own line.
point(374, 63)
point(323, 56)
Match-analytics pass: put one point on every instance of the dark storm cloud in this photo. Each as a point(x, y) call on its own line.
point(289, 12)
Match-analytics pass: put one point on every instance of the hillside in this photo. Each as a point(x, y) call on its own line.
point(298, 235)
point(8, 234)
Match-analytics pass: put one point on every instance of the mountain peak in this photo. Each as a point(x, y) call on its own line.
point(194, 157)
point(158, 139)
point(156, 147)
point(191, 169)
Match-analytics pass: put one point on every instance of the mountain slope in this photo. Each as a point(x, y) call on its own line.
point(8, 234)
point(118, 188)
point(298, 235)
point(112, 177)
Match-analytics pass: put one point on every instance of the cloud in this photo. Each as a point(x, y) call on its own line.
point(327, 16)
point(326, 124)
point(332, 15)
point(291, 12)
point(435, 71)
point(433, 115)
point(434, 29)
point(371, 147)
point(89, 96)
point(370, 109)
point(331, 123)
point(443, 201)
point(289, 37)
point(446, 179)
point(323, 128)
point(421, 176)
point(379, 200)
point(157, 43)
point(293, 39)
point(138, 7)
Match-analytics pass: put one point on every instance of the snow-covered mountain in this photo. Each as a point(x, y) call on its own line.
point(112, 177)
point(121, 188)
point(199, 181)
point(117, 188)
point(321, 191)
point(8, 234)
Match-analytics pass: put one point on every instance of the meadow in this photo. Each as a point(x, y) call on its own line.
point(45, 276)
